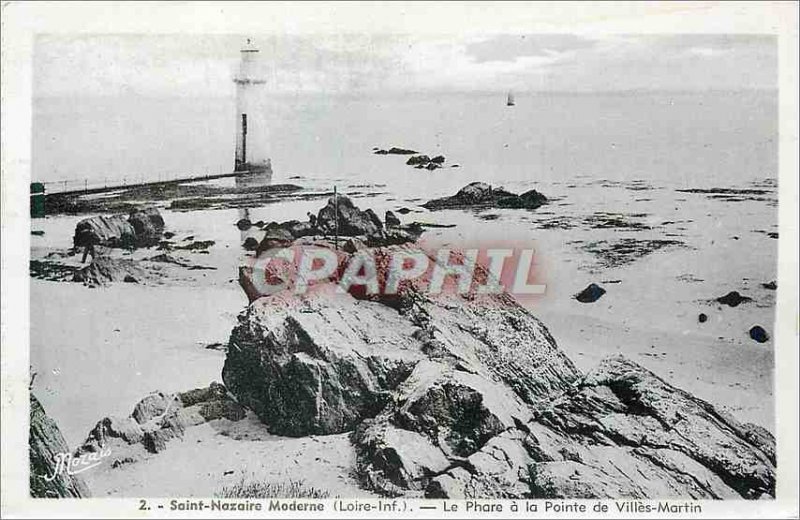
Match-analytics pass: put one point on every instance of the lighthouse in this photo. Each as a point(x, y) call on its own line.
point(251, 130)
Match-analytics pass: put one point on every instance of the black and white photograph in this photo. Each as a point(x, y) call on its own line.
point(394, 272)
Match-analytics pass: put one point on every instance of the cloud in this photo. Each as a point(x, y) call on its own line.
point(511, 47)
point(191, 65)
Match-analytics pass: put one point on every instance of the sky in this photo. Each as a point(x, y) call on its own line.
point(203, 66)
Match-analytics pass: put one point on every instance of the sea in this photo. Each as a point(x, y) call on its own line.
point(689, 139)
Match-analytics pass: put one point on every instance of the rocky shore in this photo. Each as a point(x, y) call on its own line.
point(459, 396)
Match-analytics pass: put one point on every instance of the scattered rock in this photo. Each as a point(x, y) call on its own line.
point(758, 334)
point(37, 233)
point(772, 286)
point(404, 211)
point(590, 294)
point(168, 234)
point(733, 299)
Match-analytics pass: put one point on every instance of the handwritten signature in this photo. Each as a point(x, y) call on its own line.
point(69, 464)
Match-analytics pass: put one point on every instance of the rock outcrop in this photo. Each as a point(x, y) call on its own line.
point(45, 444)
point(470, 397)
point(364, 226)
point(482, 195)
point(159, 418)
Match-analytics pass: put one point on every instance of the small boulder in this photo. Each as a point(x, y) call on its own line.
point(591, 294)
point(432, 166)
point(244, 224)
point(439, 159)
point(772, 286)
point(702, 318)
point(758, 334)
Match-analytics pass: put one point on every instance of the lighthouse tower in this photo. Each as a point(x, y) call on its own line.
point(251, 133)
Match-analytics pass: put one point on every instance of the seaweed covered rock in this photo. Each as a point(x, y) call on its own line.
point(480, 194)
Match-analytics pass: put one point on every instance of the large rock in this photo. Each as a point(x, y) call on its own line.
point(141, 228)
point(45, 444)
point(148, 225)
point(321, 363)
point(109, 231)
point(480, 194)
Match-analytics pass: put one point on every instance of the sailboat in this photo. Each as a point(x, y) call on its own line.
point(510, 100)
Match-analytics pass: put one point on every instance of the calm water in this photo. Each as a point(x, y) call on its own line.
point(690, 139)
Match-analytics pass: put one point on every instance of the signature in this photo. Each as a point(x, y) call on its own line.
point(69, 464)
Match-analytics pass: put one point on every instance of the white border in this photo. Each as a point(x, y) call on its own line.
point(21, 21)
